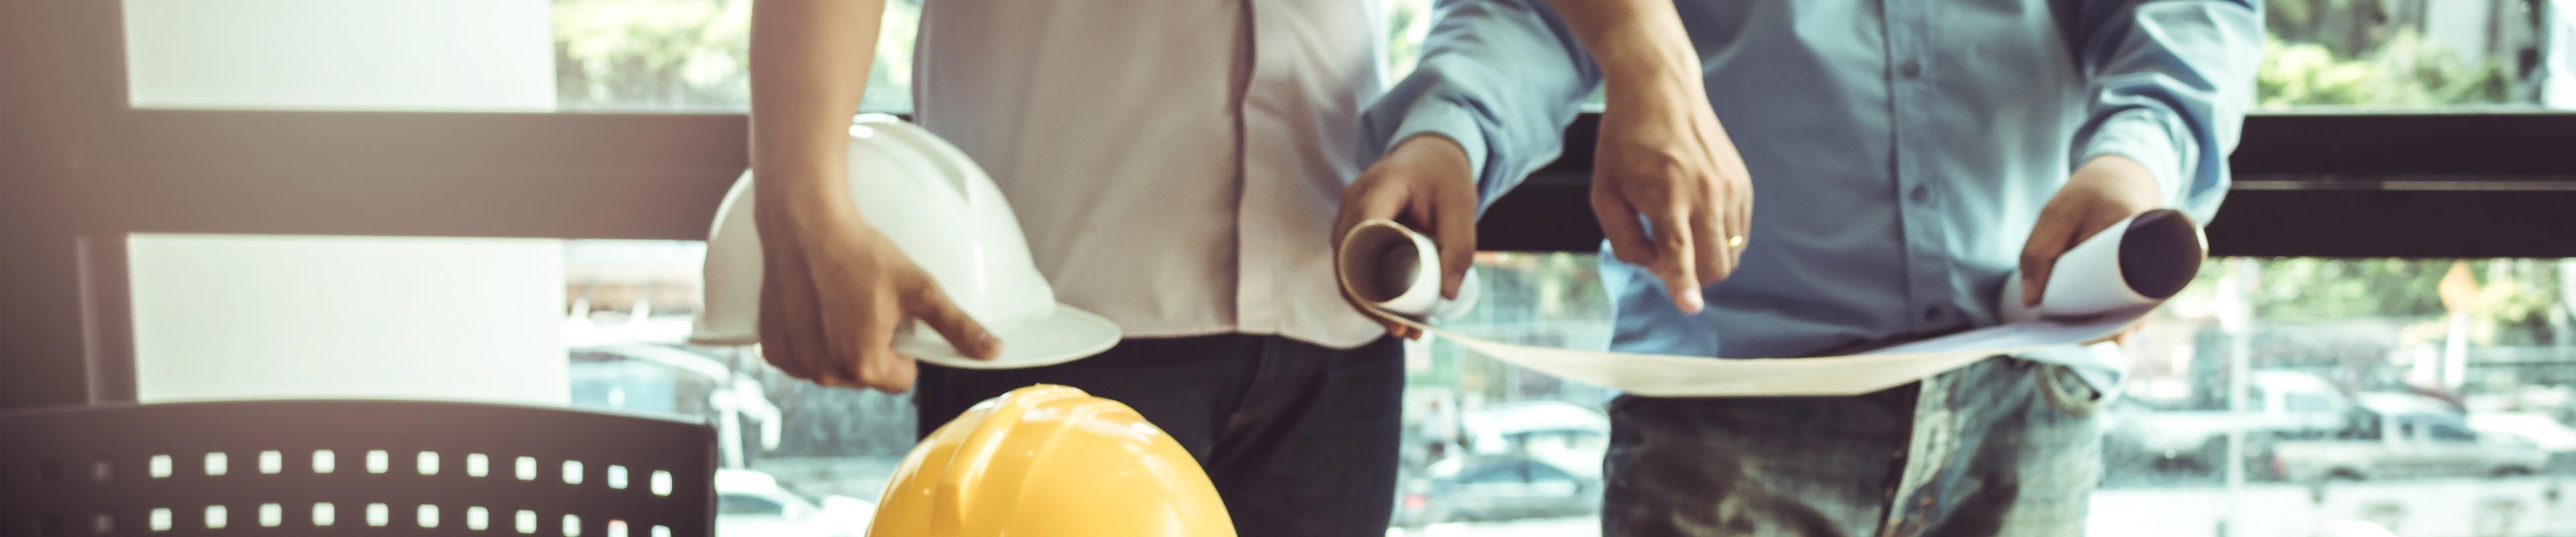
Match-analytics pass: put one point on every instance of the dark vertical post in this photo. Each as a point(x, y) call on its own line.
point(65, 338)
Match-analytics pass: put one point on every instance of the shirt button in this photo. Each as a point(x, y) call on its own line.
point(1932, 313)
point(1910, 69)
point(1920, 193)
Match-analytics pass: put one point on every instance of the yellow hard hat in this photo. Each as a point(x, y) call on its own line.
point(1050, 460)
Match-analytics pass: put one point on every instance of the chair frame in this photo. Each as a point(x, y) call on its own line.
point(260, 466)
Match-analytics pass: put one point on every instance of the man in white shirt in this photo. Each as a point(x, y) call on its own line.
point(1176, 168)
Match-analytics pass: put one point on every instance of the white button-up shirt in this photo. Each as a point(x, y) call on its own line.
point(1175, 164)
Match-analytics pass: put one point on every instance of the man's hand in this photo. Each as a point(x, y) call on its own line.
point(2103, 191)
point(2122, 337)
point(1663, 158)
point(834, 292)
point(1424, 183)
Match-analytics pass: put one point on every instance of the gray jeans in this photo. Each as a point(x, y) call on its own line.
point(2000, 447)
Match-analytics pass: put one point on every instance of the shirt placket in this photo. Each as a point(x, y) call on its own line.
point(1918, 199)
point(1254, 244)
point(1918, 203)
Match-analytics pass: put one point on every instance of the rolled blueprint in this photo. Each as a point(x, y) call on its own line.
point(2096, 289)
point(1400, 272)
point(2149, 256)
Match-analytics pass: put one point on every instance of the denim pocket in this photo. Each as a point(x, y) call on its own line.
point(2068, 391)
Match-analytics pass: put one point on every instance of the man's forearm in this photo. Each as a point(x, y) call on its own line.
point(809, 66)
point(1500, 78)
point(1634, 41)
point(2170, 85)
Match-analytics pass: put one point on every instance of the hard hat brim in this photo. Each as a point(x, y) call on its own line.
point(1066, 335)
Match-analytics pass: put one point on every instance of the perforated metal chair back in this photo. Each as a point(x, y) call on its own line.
point(352, 467)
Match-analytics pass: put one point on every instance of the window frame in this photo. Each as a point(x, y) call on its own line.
point(2317, 184)
point(2463, 184)
point(2449, 433)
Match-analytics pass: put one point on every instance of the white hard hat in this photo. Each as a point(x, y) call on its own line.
point(944, 213)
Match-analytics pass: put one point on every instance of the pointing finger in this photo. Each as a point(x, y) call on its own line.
point(1674, 259)
point(962, 332)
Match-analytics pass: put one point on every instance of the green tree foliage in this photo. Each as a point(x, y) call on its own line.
point(2513, 305)
point(2311, 289)
point(693, 55)
point(2406, 71)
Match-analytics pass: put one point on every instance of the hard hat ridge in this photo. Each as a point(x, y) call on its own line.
point(1050, 460)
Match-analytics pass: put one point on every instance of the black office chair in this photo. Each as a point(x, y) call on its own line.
point(352, 467)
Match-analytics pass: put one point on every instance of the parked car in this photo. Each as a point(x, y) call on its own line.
point(1557, 432)
point(1497, 487)
point(2279, 404)
point(750, 503)
point(2404, 435)
point(2553, 437)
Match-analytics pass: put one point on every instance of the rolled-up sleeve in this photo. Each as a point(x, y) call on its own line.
point(2169, 84)
point(1500, 77)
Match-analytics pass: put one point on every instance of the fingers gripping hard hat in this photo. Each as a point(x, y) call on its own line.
point(940, 209)
point(1050, 460)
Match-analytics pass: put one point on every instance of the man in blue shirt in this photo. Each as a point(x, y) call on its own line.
point(1907, 157)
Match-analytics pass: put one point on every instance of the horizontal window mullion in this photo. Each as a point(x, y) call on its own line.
point(610, 204)
point(222, 139)
point(2310, 184)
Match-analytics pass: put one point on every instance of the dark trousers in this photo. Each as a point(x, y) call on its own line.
point(1300, 439)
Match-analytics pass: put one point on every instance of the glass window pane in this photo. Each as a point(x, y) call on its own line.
point(2434, 390)
point(2335, 351)
point(1496, 471)
point(2418, 54)
point(261, 317)
point(745, 504)
point(2310, 403)
point(2449, 433)
point(680, 55)
point(1459, 405)
point(465, 55)
point(2468, 367)
point(1543, 472)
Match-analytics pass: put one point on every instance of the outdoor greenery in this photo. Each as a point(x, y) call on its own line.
point(1407, 21)
point(2405, 72)
point(693, 55)
point(2518, 301)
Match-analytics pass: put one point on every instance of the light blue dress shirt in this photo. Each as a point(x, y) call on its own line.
point(1899, 149)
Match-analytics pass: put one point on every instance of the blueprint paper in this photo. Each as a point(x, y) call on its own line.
point(2093, 293)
